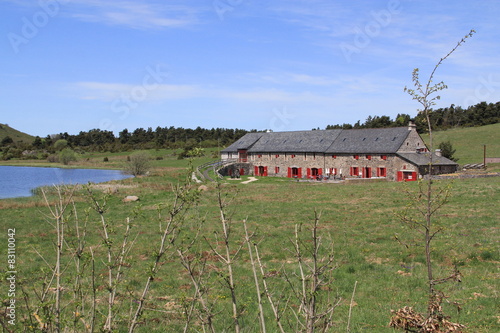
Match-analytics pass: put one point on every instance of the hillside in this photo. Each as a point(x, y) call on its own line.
point(6, 130)
point(469, 142)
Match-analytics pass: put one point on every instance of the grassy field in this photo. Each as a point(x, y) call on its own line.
point(469, 142)
point(359, 220)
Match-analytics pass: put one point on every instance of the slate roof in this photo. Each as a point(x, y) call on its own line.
point(422, 159)
point(372, 140)
point(245, 142)
point(296, 141)
point(360, 141)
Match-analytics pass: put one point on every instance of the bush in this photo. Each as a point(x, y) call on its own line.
point(66, 156)
point(52, 158)
point(138, 164)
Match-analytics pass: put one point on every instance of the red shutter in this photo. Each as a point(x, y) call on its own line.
point(265, 171)
point(308, 173)
point(289, 172)
point(400, 176)
point(320, 172)
point(256, 171)
point(300, 173)
point(242, 172)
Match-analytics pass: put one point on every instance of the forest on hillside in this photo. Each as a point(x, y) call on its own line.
point(184, 138)
point(441, 119)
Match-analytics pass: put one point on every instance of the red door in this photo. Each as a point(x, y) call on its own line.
point(242, 172)
point(400, 176)
point(367, 172)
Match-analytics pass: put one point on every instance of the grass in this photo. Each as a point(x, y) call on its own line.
point(359, 218)
point(15, 135)
point(469, 142)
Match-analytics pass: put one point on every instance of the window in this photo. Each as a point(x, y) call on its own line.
point(334, 156)
point(277, 155)
point(259, 156)
point(292, 156)
point(276, 170)
point(382, 172)
point(368, 157)
point(356, 157)
point(383, 157)
point(355, 171)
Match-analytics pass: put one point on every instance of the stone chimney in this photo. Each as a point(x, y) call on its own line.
point(438, 152)
point(412, 126)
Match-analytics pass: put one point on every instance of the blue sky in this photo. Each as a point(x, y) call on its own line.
point(75, 65)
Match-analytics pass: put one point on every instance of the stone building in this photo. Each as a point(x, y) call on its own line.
point(397, 154)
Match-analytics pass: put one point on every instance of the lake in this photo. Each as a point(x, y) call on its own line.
point(19, 181)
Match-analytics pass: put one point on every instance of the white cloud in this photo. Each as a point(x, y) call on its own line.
point(144, 15)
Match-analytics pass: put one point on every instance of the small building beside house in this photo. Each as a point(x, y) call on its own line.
point(396, 154)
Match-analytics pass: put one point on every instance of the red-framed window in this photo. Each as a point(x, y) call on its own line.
point(383, 157)
point(369, 157)
point(334, 156)
point(292, 156)
point(356, 157)
point(276, 170)
point(277, 155)
point(381, 172)
point(355, 171)
point(294, 172)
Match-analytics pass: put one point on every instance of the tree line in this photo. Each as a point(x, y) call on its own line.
point(441, 119)
point(140, 138)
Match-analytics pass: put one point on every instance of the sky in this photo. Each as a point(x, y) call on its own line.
point(77, 65)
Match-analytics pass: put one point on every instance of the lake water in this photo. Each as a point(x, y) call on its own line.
point(19, 181)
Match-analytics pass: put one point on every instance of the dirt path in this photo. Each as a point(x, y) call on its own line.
point(250, 179)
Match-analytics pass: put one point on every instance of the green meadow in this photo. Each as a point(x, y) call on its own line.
point(378, 262)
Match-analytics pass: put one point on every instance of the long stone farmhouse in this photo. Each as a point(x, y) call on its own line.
point(396, 154)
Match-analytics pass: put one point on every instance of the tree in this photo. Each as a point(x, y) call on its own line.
point(447, 150)
point(426, 202)
point(138, 164)
point(6, 141)
point(60, 144)
point(67, 155)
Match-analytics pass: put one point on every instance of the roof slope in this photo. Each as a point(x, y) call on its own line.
point(245, 142)
point(370, 140)
point(353, 141)
point(422, 159)
point(296, 141)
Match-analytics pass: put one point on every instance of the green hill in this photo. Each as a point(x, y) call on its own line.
point(469, 142)
point(6, 130)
